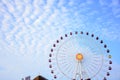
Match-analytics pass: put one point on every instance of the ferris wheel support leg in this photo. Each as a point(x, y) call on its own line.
point(78, 73)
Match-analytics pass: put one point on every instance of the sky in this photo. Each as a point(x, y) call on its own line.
point(28, 28)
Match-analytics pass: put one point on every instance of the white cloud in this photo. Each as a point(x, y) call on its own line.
point(62, 3)
point(27, 11)
point(115, 2)
point(111, 33)
point(105, 2)
point(116, 11)
point(90, 1)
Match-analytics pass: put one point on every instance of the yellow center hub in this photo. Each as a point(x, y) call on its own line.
point(79, 56)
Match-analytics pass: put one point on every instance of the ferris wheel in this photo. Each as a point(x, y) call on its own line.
point(79, 56)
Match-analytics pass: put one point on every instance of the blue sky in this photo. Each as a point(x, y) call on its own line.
point(29, 28)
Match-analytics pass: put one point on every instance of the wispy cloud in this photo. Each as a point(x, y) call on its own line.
point(111, 33)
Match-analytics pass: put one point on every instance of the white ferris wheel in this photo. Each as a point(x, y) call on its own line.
point(79, 56)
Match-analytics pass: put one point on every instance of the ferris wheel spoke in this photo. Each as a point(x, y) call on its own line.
point(62, 61)
point(91, 68)
point(62, 56)
point(88, 71)
point(72, 47)
point(68, 68)
point(62, 53)
point(94, 70)
point(67, 58)
point(93, 64)
point(97, 57)
point(66, 54)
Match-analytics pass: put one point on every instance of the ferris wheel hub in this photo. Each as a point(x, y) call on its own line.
point(79, 56)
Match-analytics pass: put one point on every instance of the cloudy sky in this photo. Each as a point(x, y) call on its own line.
point(28, 28)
